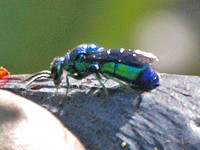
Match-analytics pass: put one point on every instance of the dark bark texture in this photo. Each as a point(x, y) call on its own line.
point(167, 117)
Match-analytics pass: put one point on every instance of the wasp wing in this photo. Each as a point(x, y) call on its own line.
point(126, 56)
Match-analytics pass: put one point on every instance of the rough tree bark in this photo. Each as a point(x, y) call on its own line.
point(168, 116)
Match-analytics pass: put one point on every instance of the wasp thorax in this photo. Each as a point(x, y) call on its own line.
point(57, 70)
point(68, 64)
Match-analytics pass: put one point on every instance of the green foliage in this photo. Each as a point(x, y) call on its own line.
point(32, 33)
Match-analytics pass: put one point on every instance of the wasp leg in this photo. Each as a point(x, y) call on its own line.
point(139, 101)
point(118, 81)
point(110, 77)
point(67, 88)
point(128, 88)
point(106, 92)
point(67, 81)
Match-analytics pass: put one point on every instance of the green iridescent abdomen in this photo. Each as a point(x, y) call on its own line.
point(122, 71)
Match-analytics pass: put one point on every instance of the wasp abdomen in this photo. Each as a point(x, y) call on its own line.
point(142, 76)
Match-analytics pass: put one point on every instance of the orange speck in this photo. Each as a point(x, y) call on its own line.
point(36, 87)
point(3, 72)
point(3, 76)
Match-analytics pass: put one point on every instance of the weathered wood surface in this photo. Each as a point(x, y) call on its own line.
point(168, 116)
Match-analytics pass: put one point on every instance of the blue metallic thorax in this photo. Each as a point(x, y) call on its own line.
point(87, 59)
point(75, 62)
point(85, 49)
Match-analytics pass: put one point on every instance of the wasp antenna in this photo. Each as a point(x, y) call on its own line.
point(32, 79)
point(45, 74)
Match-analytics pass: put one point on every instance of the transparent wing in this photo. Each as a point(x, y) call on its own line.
point(126, 56)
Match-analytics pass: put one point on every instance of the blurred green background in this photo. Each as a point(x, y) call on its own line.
point(33, 32)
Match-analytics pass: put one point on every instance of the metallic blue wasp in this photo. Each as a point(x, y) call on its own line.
point(131, 66)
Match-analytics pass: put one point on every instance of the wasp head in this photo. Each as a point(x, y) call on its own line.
point(57, 70)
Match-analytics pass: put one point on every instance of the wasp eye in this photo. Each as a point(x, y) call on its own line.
point(56, 71)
